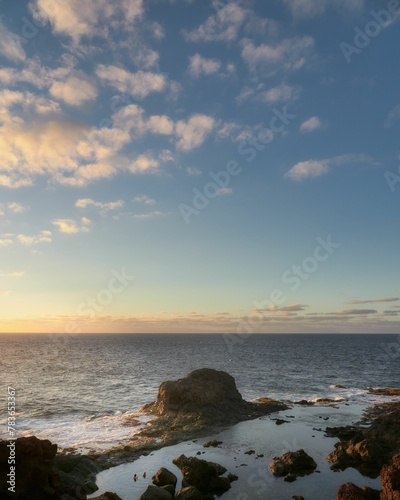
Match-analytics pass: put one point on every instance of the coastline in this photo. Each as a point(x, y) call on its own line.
point(206, 406)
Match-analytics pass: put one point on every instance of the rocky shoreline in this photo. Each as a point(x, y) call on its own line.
point(198, 405)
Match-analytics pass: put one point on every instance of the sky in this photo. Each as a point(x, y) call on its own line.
point(199, 166)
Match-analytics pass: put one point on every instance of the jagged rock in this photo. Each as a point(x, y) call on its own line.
point(202, 474)
point(350, 491)
point(293, 463)
point(390, 479)
point(36, 478)
point(163, 477)
point(370, 448)
point(189, 493)
point(155, 493)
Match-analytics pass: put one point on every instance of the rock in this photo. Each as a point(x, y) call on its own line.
point(295, 463)
point(350, 491)
point(214, 443)
point(170, 488)
point(210, 395)
point(108, 496)
point(36, 478)
point(202, 474)
point(155, 493)
point(304, 402)
point(384, 392)
point(297, 497)
point(369, 448)
point(249, 452)
point(163, 477)
point(189, 493)
point(390, 479)
point(280, 421)
point(232, 477)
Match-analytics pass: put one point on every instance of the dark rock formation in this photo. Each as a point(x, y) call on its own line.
point(155, 493)
point(189, 493)
point(36, 478)
point(293, 464)
point(350, 491)
point(203, 475)
point(384, 392)
point(390, 479)
point(214, 444)
point(210, 395)
point(163, 477)
point(368, 449)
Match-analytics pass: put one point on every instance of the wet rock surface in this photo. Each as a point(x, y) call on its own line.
point(390, 480)
point(293, 464)
point(350, 491)
point(368, 449)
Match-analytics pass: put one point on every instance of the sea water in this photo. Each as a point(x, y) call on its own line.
point(85, 391)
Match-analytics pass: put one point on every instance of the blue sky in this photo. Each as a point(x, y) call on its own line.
point(199, 166)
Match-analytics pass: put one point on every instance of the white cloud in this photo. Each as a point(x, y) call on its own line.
point(290, 54)
point(282, 92)
point(103, 206)
point(42, 237)
point(150, 215)
point(77, 19)
point(392, 117)
point(74, 91)
point(193, 132)
point(313, 123)
point(5, 242)
point(199, 65)
point(316, 168)
point(145, 163)
point(142, 198)
point(220, 27)
point(11, 45)
point(17, 208)
point(70, 226)
point(139, 84)
point(193, 171)
point(312, 8)
point(306, 169)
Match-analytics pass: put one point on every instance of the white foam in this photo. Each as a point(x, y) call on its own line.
point(96, 432)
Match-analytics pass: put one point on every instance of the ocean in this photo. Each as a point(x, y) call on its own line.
point(82, 391)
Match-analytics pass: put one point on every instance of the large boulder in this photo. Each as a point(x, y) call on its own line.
point(189, 493)
point(163, 477)
point(390, 479)
point(201, 389)
point(155, 493)
point(203, 475)
point(36, 478)
point(207, 396)
point(350, 491)
point(293, 463)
